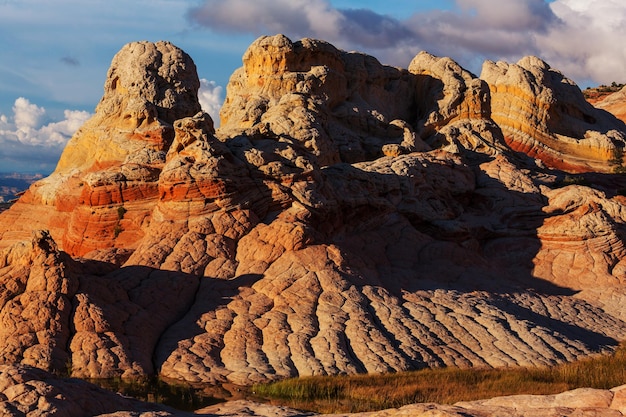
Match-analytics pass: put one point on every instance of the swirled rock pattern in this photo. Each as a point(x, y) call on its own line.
point(35, 303)
point(346, 217)
point(545, 115)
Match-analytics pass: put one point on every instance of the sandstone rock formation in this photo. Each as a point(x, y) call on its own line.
point(346, 217)
point(105, 184)
point(338, 106)
point(545, 115)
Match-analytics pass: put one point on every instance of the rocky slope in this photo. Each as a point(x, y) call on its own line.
point(346, 217)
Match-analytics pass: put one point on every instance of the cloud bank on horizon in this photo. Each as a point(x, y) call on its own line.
point(30, 142)
point(580, 38)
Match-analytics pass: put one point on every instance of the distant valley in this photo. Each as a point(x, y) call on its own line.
point(14, 183)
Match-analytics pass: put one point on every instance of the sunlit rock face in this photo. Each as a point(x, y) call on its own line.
point(337, 106)
point(346, 217)
point(106, 182)
point(544, 114)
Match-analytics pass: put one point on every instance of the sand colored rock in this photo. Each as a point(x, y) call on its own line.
point(118, 319)
point(454, 107)
point(148, 87)
point(37, 286)
point(582, 225)
point(453, 91)
point(338, 106)
point(113, 162)
point(347, 217)
point(544, 114)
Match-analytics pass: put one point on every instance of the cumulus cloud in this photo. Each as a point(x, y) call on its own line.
point(581, 38)
point(510, 15)
point(587, 42)
point(301, 18)
point(28, 141)
point(210, 98)
point(481, 29)
point(26, 116)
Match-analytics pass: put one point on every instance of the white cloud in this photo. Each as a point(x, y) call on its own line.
point(210, 98)
point(27, 116)
point(58, 133)
point(301, 18)
point(583, 39)
point(588, 41)
point(28, 142)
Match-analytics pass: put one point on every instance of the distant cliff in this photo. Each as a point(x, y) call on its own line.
point(13, 184)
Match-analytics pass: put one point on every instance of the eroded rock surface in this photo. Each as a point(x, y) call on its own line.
point(347, 217)
point(545, 115)
point(106, 183)
point(338, 106)
point(37, 287)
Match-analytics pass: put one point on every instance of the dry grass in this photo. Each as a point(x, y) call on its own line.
point(357, 393)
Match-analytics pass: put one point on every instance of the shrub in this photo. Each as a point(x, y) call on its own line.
point(120, 212)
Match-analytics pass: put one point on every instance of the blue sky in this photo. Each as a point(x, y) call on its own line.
point(54, 54)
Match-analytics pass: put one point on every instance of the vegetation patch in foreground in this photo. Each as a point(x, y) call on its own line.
point(357, 393)
point(180, 395)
